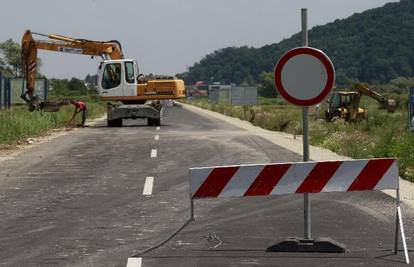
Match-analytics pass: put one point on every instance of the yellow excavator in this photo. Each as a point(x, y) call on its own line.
point(346, 104)
point(118, 78)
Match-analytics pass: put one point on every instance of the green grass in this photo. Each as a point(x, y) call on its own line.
point(382, 134)
point(18, 123)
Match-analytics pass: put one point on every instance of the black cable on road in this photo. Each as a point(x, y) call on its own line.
point(165, 241)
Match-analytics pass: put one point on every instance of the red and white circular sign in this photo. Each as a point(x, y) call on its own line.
point(304, 76)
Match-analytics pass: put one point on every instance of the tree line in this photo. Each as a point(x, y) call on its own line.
point(375, 46)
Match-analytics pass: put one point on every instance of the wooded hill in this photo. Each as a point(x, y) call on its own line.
point(374, 46)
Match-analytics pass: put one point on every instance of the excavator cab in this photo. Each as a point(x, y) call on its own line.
point(118, 78)
point(118, 81)
point(344, 105)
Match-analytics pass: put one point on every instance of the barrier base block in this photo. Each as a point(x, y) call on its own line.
point(296, 244)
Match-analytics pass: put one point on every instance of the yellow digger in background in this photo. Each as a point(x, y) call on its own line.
point(346, 104)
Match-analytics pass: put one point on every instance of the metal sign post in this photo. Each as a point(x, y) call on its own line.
point(305, 119)
point(304, 76)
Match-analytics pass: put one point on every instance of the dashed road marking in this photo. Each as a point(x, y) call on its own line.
point(134, 262)
point(153, 153)
point(157, 137)
point(158, 128)
point(149, 182)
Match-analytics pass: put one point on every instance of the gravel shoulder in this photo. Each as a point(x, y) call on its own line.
point(8, 152)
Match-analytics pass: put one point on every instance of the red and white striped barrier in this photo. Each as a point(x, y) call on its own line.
point(289, 178)
point(301, 177)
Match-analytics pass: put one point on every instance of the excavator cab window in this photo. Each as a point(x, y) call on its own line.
point(129, 72)
point(346, 101)
point(111, 76)
point(334, 102)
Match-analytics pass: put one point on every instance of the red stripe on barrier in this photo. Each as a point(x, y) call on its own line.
point(267, 180)
point(32, 67)
point(215, 182)
point(371, 174)
point(318, 177)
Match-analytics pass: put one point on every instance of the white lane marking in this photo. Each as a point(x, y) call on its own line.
point(153, 153)
point(149, 182)
point(158, 128)
point(134, 262)
point(293, 178)
point(157, 137)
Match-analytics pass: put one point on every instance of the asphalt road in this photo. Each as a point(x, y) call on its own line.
point(78, 201)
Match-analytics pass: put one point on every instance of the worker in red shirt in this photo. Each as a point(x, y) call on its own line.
point(79, 107)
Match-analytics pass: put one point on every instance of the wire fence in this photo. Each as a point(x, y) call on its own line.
point(12, 88)
point(236, 96)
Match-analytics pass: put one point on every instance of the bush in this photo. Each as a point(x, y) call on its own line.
point(18, 123)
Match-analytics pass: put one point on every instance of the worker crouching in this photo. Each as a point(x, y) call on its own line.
point(79, 107)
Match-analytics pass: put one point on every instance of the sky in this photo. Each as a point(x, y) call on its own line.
point(165, 36)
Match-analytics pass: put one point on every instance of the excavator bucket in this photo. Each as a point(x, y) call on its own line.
point(391, 105)
point(52, 106)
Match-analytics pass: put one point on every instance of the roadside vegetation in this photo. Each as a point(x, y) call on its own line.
point(18, 124)
point(382, 134)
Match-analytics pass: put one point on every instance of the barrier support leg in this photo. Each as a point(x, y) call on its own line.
point(192, 210)
point(396, 233)
point(396, 222)
point(399, 222)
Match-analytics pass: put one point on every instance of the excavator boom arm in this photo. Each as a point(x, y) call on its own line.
point(59, 43)
point(389, 104)
point(365, 90)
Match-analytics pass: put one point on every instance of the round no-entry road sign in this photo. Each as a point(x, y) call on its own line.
point(304, 76)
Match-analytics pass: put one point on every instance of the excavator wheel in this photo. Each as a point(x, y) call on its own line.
point(115, 123)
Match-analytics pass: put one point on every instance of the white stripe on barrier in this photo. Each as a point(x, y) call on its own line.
point(387, 180)
point(345, 176)
point(293, 178)
point(241, 181)
point(198, 178)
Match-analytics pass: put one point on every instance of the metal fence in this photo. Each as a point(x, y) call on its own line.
point(4, 92)
point(236, 96)
point(11, 89)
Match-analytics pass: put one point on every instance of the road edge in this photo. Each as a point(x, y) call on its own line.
point(49, 136)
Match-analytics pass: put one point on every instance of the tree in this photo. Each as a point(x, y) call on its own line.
point(11, 57)
point(374, 46)
point(77, 85)
point(267, 85)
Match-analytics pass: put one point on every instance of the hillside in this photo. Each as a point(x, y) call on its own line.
point(374, 46)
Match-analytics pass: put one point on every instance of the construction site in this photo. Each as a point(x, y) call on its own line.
point(210, 143)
